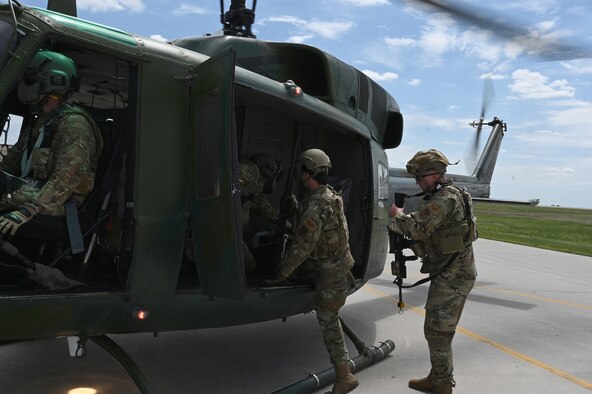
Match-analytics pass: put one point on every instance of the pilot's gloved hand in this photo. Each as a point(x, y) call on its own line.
point(11, 221)
point(277, 280)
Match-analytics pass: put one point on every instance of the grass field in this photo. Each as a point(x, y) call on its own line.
point(562, 229)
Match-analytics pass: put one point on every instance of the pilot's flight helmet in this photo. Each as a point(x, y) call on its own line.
point(425, 160)
point(315, 161)
point(268, 166)
point(49, 72)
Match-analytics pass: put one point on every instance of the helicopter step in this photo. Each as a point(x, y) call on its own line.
point(365, 358)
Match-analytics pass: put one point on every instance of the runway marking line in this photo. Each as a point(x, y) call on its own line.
point(420, 311)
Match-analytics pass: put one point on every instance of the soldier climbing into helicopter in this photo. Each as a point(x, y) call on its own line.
point(54, 161)
point(321, 238)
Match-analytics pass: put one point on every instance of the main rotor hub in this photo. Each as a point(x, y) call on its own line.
point(238, 19)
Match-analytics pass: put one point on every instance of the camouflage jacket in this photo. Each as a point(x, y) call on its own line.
point(321, 234)
point(252, 198)
point(63, 166)
point(441, 230)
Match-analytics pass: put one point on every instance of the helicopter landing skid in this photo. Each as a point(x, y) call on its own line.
point(365, 358)
point(124, 360)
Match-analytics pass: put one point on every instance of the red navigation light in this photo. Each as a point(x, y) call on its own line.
point(140, 313)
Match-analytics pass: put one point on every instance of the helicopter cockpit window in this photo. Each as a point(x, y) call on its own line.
point(208, 173)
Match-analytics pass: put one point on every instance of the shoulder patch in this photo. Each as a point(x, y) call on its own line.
point(310, 224)
point(433, 207)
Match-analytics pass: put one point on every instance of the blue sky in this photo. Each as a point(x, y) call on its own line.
point(434, 66)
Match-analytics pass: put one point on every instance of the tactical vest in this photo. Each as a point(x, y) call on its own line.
point(44, 155)
point(452, 237)
point(333, 243)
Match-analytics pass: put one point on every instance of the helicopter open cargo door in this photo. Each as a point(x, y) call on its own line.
point(214, 196)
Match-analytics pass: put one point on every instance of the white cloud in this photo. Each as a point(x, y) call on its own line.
point(578, 67)
point(331, 30)
point(414, 82)
point(111, 5)
point(492, 76)
point(400, 42)
point(537, 6)
point(574, 118)
point(379, 77)
point(366, 3)
point(557, 139)
point(534, 85)
point(553, 171)
point(284, 19)
point(438, 41)
point(187, 9)
point(300, 39)
point(158, 37)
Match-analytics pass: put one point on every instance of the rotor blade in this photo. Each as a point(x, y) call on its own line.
point(532, 42)
point(488, 97)
point(477, 138)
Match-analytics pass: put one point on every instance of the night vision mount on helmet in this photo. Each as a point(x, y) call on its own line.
point(48, 72)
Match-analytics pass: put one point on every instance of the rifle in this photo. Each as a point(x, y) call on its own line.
point(398, 243)
point(281, 234)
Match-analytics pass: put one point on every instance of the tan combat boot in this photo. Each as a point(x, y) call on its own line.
point(345, 381)
point(444, 387)
point(423, 384)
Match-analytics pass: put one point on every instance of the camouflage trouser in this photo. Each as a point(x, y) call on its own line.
point(446, 299)
point(328, 303)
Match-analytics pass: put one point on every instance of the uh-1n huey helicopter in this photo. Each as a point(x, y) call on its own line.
point(176, 118)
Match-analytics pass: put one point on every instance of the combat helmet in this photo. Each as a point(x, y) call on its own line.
point(49, 72)
point(268, 166)
point(315, 161)
point(425, 160)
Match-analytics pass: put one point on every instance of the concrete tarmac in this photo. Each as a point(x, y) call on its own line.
point(526, 328)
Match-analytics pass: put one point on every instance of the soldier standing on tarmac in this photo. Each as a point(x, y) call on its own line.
point(321, 234)
point(444, 230)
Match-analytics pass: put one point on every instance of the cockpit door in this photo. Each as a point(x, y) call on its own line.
point(214, 196)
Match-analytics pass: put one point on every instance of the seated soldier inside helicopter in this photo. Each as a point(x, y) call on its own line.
point(257, 176)
point(55, 159)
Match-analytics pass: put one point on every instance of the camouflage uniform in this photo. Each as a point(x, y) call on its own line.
point(64, 165)
point(322, 235)
point(443, 242)
point(252, 199)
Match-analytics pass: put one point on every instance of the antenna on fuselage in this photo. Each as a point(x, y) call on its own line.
point(238, 20)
